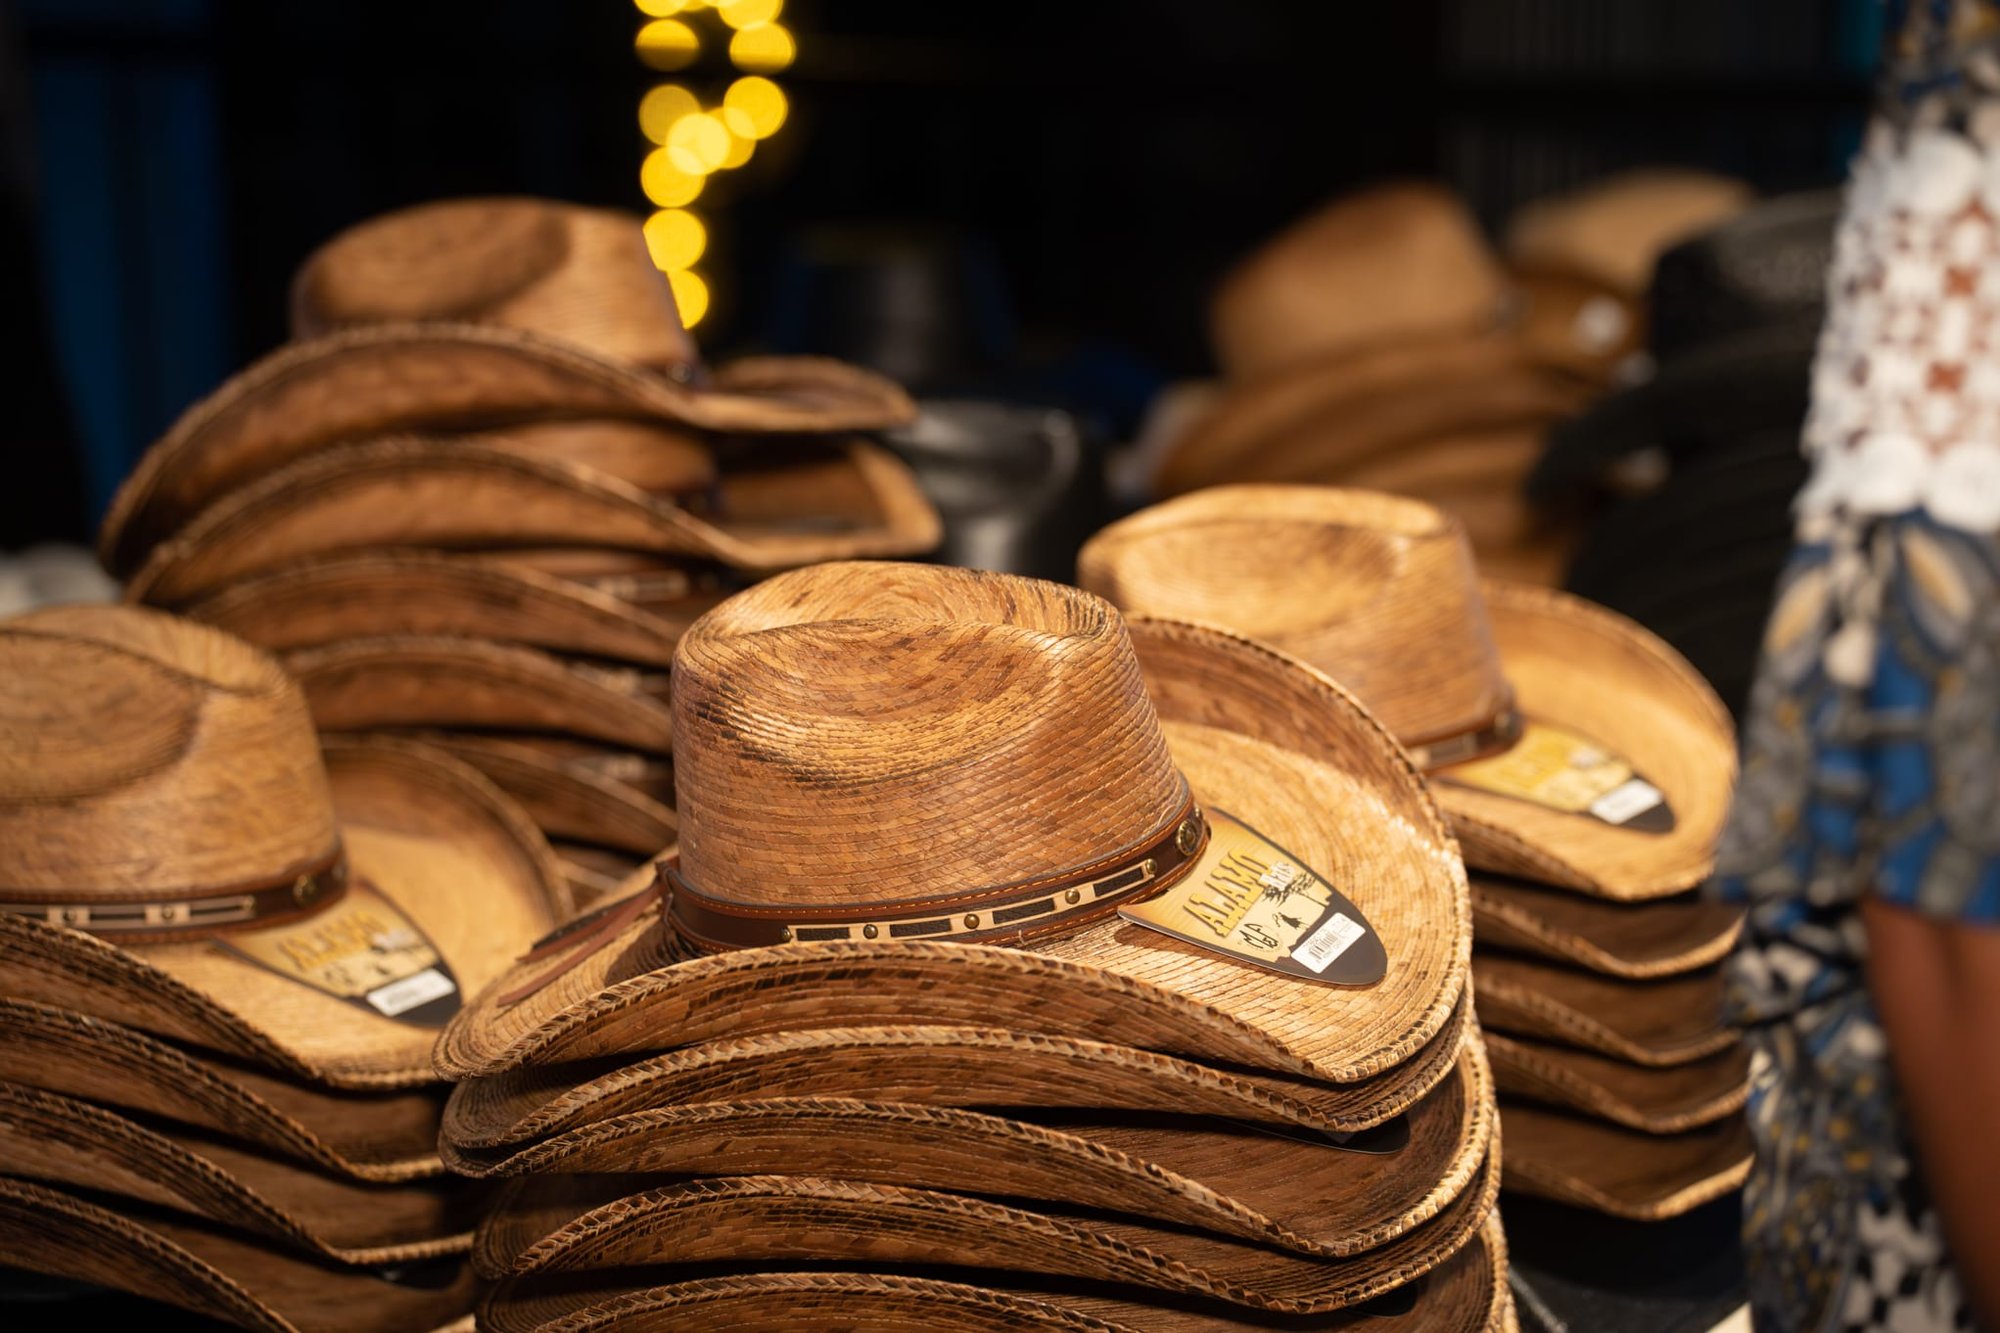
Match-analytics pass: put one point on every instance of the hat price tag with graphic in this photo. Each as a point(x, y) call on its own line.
point(1251, 900)
point(363, 950)
point(1557, 768)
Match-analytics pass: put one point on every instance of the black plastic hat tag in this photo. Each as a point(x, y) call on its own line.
point(1251, 900)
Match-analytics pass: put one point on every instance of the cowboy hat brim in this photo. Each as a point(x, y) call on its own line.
point(801, 503)
point(75, 1145)
point(552, 1224)
point(1669, 1021)
point(369, 594)
point(1599, 675)
point(1258, 735)
point(216, 1273)
point(1609, 1169)
point(1636, 941)
point(972, 1067)
point(1307, 1194)
point(567, 801)
point(389, 1136)
point(1652, 1101)
point(1465, 1294)
point(456, 857)
point(436, 682)
point(398, 377)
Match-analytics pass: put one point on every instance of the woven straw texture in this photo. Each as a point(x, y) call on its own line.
point(1635, 941)
point(214, 1273)
point(805, 502)
point(1466, 1294)
point(458, 313)
point(1672, 1021)
point(560, 1223)
point(419, 592)
point(1607, 1169)
point(1379, 592)
point(74, 1145)
point(883, 729)
point(388, 1136)
point(412, 680)
point(974, 1067)
point(567, 801)
point(1653, 1101)
point(1289, 1191)
point(457, 856)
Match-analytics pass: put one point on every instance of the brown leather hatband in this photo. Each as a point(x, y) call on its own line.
point(1488, 738)
point(1024, 910)
point(192, 913)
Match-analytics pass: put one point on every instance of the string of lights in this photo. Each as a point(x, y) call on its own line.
point(693, 140)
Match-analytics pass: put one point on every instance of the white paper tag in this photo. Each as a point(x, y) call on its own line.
point(1327, 943)
point(1627, 802)
point(399, 997)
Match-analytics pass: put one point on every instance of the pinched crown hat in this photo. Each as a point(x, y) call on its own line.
point(463, 313)
point(1567, 744)
point(175, 856)
point(923, 795)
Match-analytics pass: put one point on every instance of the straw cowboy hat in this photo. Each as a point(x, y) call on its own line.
point(412, 680)
point(1465, 1294)
point(800, 503)
point(946, 1066)
point(219, 1273)
point(1653, 1101)
point(1671, 1021)
point(567, 801)
point(463, 313)
point(1396, 263)
point(75, 1145)
point(385, 1136)
point(1305, 1194)
point(555, 1224)
point(650, 775)
point(950, 759)
point(177, 858)
point(1614, 229)
point(373, 593)
point(1566, 744)
point(1636, 941)
point(1610, 1169)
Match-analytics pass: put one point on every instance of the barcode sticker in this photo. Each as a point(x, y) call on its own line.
point(1318, 950)
point(399, 997)
point(1627, 802)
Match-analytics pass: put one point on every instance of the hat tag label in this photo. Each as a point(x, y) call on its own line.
point(363, 950)
point(1251, 900)
point(1558, 769)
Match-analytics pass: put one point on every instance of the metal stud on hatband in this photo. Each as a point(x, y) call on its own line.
point(1188, 837)
point(304, 889)
point(870, 931)
point(786, 934)
point(972, 921)
point(1072, 896)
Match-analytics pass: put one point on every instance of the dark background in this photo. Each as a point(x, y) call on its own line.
point(1096, 165)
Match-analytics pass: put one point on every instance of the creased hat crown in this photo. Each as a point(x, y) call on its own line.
point(873, 733)
point(1376, 590)
point(144, 755)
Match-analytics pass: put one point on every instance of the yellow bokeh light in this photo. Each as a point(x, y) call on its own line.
point(661, 107)
point(748, 13)
point(698, 144)
point(754, 108)
point(675, 238)
point(667, 44)
point(690, 295)
point(666, 184)
point(661, 9)
point(739, 152)
point(764, 49)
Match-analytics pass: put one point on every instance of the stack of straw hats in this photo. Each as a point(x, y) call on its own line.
point(224, 960)
point(486, 488)
point(1016, 969)
point(1381, 343)
point(1586, 770)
